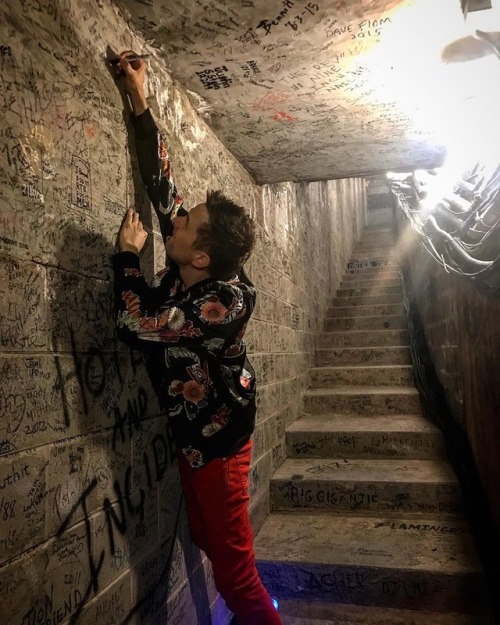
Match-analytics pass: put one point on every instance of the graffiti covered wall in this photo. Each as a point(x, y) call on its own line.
point(91, 525)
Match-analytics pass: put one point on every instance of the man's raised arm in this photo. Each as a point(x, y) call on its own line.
point(152, 154)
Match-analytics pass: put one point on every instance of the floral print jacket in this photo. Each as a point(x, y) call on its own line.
point(206, 381)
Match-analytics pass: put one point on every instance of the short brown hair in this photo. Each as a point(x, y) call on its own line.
point(228, 237)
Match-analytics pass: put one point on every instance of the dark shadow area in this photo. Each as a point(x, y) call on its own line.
point(117, 457)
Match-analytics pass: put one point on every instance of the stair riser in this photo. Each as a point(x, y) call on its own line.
point(385, 244)
point(386, 273)
point(372, 251)
point(375, 356)
point(383, 404)
point(375, 290)
point(372, 260)
point(370, 338)
point(377, 240)
point(367, 300)
point(387, 240)
point(376, 310)
point(376, 498)
point(382, 587)
point(368, 284)
point(326, 378)
point(376, 232)
point(387, 445)
point(377, 322)
point(368, 274)
point(307, 613)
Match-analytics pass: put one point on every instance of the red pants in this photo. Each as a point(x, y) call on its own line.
point(217, 503)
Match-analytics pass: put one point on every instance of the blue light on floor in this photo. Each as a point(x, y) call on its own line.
point(275, 603)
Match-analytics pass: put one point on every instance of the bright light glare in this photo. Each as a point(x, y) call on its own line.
point(436, 97)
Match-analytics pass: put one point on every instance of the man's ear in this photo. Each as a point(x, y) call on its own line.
point(201, 260)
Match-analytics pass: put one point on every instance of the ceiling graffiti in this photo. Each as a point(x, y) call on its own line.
point(309, 89)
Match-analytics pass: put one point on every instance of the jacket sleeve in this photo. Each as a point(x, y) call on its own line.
point(210, 318)
point(156, 172)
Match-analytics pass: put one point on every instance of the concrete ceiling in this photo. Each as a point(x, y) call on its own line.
point(310, 89)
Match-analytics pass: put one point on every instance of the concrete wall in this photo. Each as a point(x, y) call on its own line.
point(305, 241)
point(463, 334)
point(89, 494)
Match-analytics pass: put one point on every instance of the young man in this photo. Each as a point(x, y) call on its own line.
point(197, 310)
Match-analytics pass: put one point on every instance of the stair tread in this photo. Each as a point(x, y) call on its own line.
point(423, 544)
point(375, 255)
point(383, 331)
point(367, 300)
point(394, 288)
point(366, 347)
point(378, 295)
point(377, 277)
point(393, 276)
point(359, 367)
point(329, 349)
point(391, 307)
point(382, 250)
point(387, 316)
point(364, 390)
point(347, 614)
point(363, 470)
point(372, 275)
point(369, 284)
point(393, 424)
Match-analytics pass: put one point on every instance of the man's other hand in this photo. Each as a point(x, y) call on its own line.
point(132, 234)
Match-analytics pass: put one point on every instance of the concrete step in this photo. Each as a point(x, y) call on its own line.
point(368, 310)
point(346, 356)
point(375, 290)
point(308, 613)
point(376, 322)
point(371, 270)
point(367, 300)
point(363, 338)
point(375, 486)
point(370, 278)
point(385, 257)
point(362, 400)
point(409, 437)
point(377, 237)
point(381, 241)
point(382, 249)
point(369, 263)
point(357, 283)
point(375, 242)
point(372, 375)
point(389, 563)
point(377, 231)
point(373, 250)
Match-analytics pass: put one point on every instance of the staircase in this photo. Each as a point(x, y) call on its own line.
point(366, 525)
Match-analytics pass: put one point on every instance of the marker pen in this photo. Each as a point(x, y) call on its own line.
point(130, 59)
